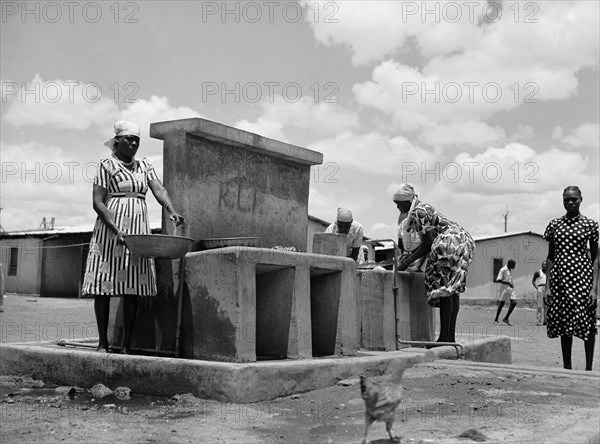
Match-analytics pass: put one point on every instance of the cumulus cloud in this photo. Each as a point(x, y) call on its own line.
point(39, 179)
point(324, 205)
point(440, 29)
point(469, 67)
point(586, 135)
point(263, 127)
point(516, 168)
point(372, 153)
point(320, 118)
point(76, 105)
point(156, 109)
point(391, 26)
point(348, 22)
point(453, 92)
point(558, 132)
point(530, 183)
point(460, 133)
point(63, 104)
point(380, 230)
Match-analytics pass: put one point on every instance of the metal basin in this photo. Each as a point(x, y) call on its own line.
point(158, 245)
point(222, 242)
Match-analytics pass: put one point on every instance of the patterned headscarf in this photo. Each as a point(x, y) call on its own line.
point(122, 128)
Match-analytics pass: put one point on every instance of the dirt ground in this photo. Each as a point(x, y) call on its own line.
point(443, 399)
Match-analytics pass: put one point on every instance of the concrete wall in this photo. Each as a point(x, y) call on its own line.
point(381, 319)
point(527, 250)
point(28, 277)
point(232, 183)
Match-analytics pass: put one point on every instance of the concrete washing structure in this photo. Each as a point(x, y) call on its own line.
point(258, 322)
point(243, 304)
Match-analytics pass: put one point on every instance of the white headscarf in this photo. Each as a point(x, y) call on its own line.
point(404, 193)
point(122, 128)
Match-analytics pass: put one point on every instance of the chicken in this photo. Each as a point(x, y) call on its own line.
point(382, 395)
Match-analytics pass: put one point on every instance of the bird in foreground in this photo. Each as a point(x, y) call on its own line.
point(382, 395)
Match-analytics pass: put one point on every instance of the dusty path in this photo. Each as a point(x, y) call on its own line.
point(442, 399)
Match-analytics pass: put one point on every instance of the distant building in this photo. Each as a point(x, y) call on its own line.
point(50, 262)
point(526, 248)
point(47, 262)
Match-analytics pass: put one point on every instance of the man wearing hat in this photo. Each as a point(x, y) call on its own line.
point(353, 231)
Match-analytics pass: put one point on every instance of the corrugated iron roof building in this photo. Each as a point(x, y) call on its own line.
point(46, 262)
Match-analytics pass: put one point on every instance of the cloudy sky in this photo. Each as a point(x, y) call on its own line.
point(482, 106)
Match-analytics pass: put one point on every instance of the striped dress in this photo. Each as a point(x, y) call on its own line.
point(112, 269)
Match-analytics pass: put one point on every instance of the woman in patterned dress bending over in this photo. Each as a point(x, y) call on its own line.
point(449, 249)
point(569, 295)
point(119, 195)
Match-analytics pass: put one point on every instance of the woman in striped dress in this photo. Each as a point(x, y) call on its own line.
point(119, 195)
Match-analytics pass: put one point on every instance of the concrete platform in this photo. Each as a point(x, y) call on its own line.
point(228, 382)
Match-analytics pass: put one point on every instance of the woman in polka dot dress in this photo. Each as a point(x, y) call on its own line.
point(569, 293)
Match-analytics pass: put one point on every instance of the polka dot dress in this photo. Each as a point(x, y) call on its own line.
point(571, 277)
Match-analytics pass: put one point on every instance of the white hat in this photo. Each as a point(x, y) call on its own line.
point(344, 215)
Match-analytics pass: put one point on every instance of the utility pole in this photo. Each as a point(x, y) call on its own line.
point(506, 219)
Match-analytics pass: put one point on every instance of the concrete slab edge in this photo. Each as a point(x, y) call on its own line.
point(222, 381)
point(497, 350)
point(227, 382)
point(557, 372)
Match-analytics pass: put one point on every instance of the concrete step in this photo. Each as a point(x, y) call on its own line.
point(527, 369)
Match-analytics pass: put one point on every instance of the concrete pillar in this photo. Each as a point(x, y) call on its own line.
point(380, 319)
point(232, 183)
point(376, 310)
point(414, 316)
point(300, 337)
